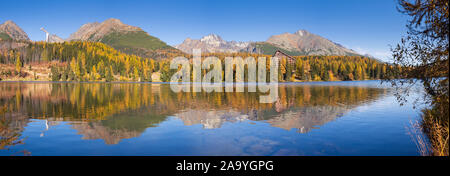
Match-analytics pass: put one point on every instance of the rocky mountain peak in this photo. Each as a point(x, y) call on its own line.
point(307, 43)
point(211, 43)
point(212, 39)
point(113, 21)
point(13, 30)
point(95, 31)
point(10, 23)
point(302, 32)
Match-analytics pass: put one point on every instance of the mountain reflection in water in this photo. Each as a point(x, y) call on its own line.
point(113, 112)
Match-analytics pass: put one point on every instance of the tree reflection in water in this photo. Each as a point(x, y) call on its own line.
point(11, 127)
point(115, 111)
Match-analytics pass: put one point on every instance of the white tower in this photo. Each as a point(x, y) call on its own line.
point(46, 34)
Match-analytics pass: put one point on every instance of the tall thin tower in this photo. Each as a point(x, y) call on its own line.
point(46, 34)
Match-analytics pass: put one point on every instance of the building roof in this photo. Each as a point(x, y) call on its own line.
point(287, 55)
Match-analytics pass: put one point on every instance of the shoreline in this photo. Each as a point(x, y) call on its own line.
point(134, 82)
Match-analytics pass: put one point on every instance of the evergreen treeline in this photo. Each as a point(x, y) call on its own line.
point(85, 61)
point(92, 61)
point(331, 68)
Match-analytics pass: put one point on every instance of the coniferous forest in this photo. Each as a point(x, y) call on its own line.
point(94, 61)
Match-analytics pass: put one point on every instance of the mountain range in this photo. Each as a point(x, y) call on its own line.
point(133, 40)
point(210, 44)
point(301, 42)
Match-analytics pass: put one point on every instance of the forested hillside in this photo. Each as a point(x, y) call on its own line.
point(125, 38)
point(94, 61)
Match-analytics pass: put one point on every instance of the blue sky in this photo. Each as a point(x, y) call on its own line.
point(367, 26)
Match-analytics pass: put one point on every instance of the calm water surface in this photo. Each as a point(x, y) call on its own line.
point(328, 118)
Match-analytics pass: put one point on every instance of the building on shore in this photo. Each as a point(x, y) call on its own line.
point(289, 59)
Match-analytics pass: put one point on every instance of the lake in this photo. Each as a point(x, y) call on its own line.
point(317, 118)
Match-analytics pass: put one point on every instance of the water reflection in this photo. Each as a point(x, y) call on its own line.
point(11, 127)
point(113, 112)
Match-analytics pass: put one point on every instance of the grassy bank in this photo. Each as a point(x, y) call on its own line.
point(436, 126)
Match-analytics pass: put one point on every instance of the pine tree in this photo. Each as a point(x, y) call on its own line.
point(135, 74)
point(109, 76)
point(18, 63)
